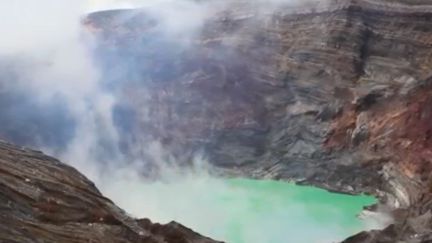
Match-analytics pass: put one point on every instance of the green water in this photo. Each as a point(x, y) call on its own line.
point(246, 211)
point(294, 213)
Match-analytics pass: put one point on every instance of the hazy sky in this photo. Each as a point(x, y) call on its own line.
point(109, 4)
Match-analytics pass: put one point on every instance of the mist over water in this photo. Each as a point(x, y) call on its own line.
point(245, 211)
point(58, 93)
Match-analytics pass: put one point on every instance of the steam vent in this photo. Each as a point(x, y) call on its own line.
point(258, 121)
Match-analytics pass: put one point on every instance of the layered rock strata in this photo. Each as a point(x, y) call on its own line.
point(333, 93)
point(330, 93)
point(44, 200)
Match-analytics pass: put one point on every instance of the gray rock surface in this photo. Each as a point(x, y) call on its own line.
point(329, 93)
point(44, 200)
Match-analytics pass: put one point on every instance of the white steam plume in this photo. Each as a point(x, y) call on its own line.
point(53, 61)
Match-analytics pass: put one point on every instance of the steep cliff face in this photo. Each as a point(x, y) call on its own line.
point(44, 200)
point(330, 93)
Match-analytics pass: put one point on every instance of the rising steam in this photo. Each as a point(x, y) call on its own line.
point(56, 95)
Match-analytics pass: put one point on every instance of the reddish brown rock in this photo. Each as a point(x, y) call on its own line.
point(44, 200)
point(330, 93)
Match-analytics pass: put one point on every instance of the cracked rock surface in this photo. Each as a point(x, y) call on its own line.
point(44, 200)
point(334, 93)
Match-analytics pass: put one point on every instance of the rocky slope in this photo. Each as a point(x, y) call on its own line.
point(330, 93)
point(44, 200)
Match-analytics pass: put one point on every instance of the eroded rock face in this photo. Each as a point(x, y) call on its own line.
point(309, 92)
point(330, 93)
point(44, 200)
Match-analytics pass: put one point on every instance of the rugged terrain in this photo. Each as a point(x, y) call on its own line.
point(335, 94)
point(330, 93)
point(44, 200)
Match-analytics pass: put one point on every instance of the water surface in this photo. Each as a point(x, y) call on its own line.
point(246, 211)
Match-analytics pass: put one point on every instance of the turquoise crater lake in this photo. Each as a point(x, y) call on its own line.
point(245, 211)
